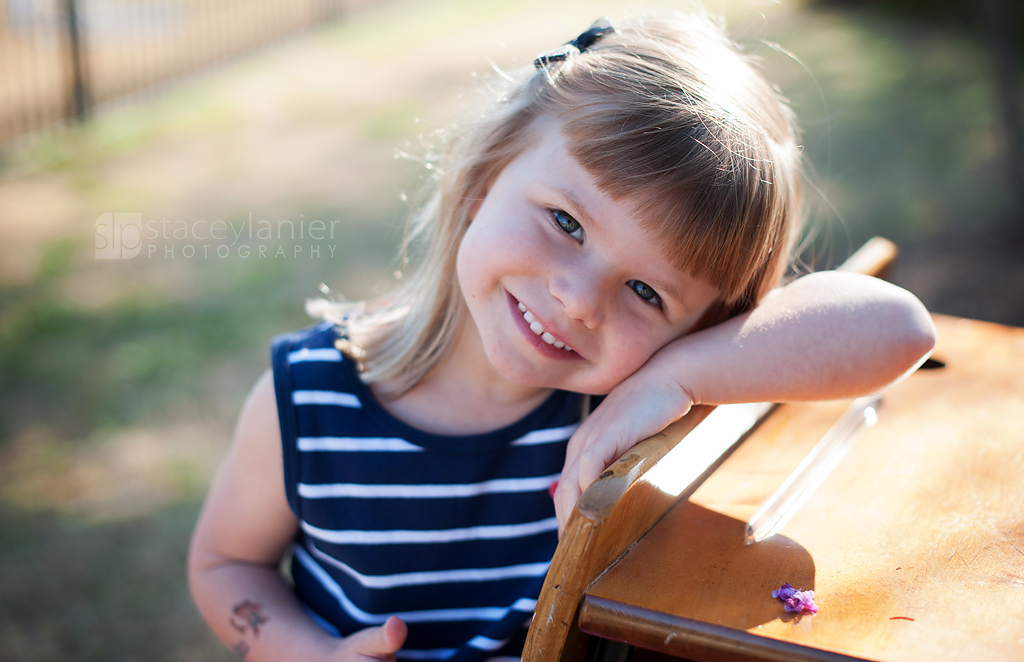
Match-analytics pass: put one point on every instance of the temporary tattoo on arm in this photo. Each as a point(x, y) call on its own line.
point(247, 615)
point(241, 649)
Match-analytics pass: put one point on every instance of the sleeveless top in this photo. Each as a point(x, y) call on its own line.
point(453, 534)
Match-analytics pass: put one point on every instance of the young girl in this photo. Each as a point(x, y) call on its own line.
point(611, 224)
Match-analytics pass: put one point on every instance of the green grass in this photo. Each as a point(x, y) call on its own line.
point(127, 362)
point(100, 592)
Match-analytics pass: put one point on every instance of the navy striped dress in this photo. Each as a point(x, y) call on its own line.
point(452, 534)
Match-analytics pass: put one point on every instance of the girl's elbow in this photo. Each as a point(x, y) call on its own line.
point(198, 563)
point(917, 335)
point(926, 338)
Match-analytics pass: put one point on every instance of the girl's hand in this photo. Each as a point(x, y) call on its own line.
point(642, 405)
point(376, 643)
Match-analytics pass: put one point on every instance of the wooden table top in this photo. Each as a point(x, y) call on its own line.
point(914, 545)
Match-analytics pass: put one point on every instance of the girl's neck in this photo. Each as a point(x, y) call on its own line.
point(464, 394)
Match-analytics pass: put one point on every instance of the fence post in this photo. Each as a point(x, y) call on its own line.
point(79, 89)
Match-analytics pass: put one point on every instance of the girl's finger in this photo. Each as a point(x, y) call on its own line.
point(565, 500)
point(379, 642)
point(591, 465)
point(566, 495)
point(581, 469)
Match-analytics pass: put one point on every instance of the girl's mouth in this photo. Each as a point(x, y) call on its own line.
point(538, 329)
point(545, 341)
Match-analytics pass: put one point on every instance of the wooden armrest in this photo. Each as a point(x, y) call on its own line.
point(623, 505)
point(874, 258)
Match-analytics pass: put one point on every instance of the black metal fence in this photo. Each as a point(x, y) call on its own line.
point(58, 58)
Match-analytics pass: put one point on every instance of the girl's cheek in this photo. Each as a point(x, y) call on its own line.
point(628, 361)
point(466, 270)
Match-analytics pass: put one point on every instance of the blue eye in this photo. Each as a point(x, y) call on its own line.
point(644, 291)
point(568, 224)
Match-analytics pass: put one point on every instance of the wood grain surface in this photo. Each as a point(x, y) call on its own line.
point(914, 545)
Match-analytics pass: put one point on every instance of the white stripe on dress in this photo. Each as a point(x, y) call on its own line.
point(486, 643)
point(359, 491)
point(328, 354)
point(356, 444)
point(393, 537)
point(435, 576)
point(546, 436)
point(326, 398)
point(524, 604)
point(424, 616)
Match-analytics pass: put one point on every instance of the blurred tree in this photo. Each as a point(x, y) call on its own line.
point(1003, 20)
point(1000, 24)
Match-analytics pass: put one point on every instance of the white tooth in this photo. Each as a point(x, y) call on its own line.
point(530, 319)
point(548, 338)
point(522, 307)
point(536, 328)
point(559, 344)
point(568, 348)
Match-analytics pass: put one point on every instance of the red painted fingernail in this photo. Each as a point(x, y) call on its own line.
point(552, 488)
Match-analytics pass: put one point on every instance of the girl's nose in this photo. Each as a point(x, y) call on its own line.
point(580, 295)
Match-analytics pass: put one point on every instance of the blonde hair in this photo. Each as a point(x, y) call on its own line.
point(664, 111)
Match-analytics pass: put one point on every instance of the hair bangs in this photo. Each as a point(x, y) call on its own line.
point(706, 168)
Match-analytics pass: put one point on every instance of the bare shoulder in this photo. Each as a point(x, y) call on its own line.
point(246, 514)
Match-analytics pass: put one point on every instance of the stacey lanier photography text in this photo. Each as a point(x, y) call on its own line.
point(127, 235)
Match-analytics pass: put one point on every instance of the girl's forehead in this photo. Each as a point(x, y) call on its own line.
point(551, 156)
point(549, 148)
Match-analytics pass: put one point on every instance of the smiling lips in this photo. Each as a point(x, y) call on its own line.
point(538, 329)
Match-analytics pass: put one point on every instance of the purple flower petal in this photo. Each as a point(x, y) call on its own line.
point(807, 601)
point(784, 592)
point(795, 600)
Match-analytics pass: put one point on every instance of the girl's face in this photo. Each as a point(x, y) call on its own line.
point(547, 240)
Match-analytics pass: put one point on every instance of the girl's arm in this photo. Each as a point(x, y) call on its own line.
point(243, 531)
point(828, 335)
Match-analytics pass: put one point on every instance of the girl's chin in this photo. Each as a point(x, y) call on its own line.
point(518, 369)
point(527, 379)
point(515, 371)
point(535, 378)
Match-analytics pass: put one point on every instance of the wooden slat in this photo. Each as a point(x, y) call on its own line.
point(692, 639)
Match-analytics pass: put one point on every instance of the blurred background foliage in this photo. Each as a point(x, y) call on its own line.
point(120, 379)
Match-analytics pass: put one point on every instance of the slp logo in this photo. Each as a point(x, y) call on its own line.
point(118, 236)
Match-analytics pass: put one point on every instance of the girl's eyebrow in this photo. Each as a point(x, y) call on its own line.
point(668, 291)
point(574, 202)
point(674, 294)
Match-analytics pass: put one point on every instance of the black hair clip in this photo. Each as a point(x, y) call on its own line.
point(577, 45)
